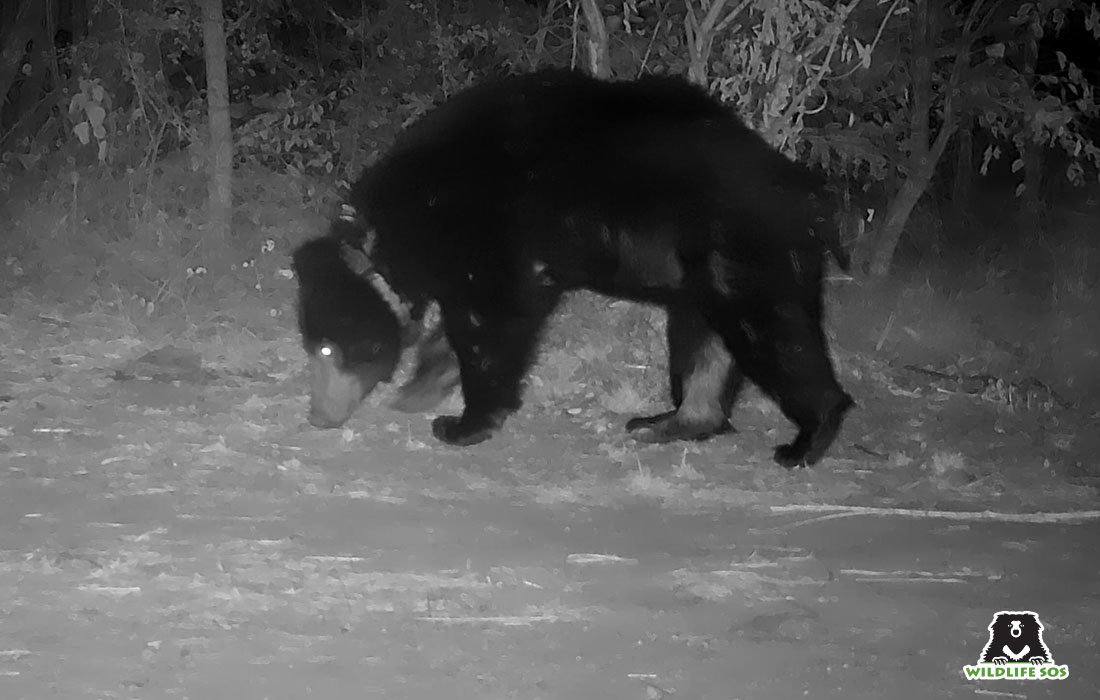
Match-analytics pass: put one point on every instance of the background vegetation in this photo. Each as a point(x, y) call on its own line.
point(962, 137)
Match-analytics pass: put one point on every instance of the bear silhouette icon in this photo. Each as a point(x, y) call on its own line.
point(1016, 637)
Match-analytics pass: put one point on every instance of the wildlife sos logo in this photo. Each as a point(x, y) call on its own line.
point(1016, 650)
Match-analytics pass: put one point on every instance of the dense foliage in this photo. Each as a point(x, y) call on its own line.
point(873, 90)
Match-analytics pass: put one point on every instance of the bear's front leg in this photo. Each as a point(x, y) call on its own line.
point(494, 351)
point(435, 377)
point(464, 430)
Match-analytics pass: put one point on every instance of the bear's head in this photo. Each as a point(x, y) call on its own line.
point(1016, 636)
point(1016, 625)
point(351, 329)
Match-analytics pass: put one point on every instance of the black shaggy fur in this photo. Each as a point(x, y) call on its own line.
point(516, 191)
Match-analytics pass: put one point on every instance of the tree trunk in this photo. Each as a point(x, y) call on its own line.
point(893, 224)
point(921, 87)
point(912, 188)
point(924, 153)
point(921, 171)
point(700, 33)
point(220, 173)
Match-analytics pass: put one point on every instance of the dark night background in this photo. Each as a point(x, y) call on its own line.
point(171, 527)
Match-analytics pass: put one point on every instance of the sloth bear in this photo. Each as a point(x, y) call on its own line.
point(514, 192)
point(1016, 637)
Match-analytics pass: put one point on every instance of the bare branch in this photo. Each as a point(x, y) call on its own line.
point(877, 39)
point(691, 25)
point(711, 19)
point(599, 63)
point(831, 33)
point(834, 31)
point(952, 85)
point(732, 16)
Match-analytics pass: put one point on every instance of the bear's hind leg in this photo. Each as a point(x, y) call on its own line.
point(704, 382)
point(494, 350)
point(781, 347)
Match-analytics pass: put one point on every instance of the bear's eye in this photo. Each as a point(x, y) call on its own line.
point(326, 350)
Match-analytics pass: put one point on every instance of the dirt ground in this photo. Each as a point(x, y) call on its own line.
point(172, 529)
